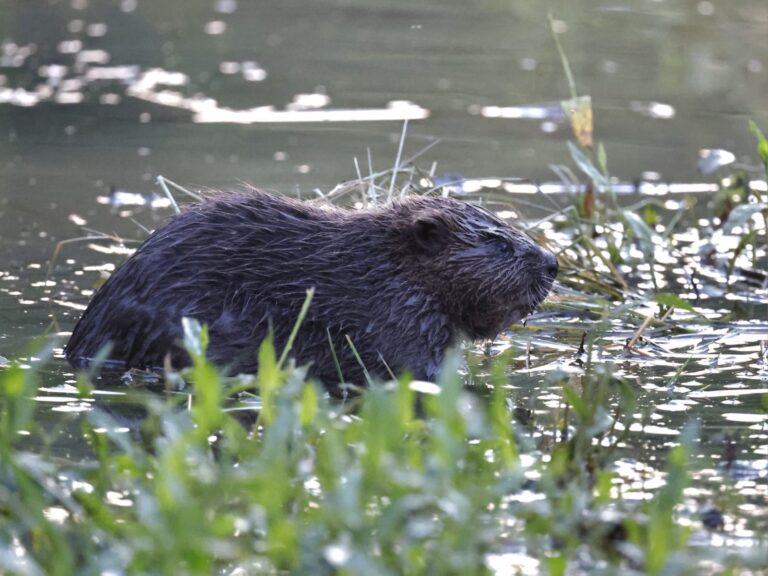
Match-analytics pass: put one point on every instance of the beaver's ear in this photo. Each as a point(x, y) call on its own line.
point(429, 232)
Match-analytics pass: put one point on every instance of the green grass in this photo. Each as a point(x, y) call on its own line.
point(391, 482)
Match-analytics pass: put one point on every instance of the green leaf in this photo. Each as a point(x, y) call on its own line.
point(762, 142)
point(613, 251)
point(586, 166)
point(269, 378)
point(12, 384)
point(602, 158)
point(674, 301)
point(296, 326)
point(308, 405)
point(650, 215)
point(195, 336)
point(207, 406)
point(405, 400)
point(604, 484)
point(557, 564)
point(578, 405)
point(16, 404)
point(641, 231)
point(741, 214)
point(17, 389)
point(743, 243)
point(501, 419)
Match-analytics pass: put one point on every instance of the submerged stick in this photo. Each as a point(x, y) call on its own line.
point(644, 327)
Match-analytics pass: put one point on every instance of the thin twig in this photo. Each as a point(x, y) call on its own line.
point(563, 58)
point(644, 326)
point(161, 181)
point(397, 159)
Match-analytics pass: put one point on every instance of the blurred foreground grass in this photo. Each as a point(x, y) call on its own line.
point(406, 478)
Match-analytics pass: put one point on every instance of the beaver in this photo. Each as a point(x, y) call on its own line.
point(401, 282)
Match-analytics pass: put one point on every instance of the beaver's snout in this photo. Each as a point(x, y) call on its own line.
point(550, 266)
point(539, 267)
point(540, 263)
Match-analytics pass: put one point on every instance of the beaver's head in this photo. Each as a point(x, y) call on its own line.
point(486, 274)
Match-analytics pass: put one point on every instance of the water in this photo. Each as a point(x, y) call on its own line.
point(99, 98)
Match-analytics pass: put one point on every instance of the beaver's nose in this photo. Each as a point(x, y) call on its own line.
point(550, 264)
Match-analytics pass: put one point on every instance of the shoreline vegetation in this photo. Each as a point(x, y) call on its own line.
point(405, 478)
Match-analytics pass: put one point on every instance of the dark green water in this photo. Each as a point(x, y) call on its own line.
point(104, 95)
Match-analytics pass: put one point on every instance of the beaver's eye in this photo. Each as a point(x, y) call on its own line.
point(502, 245)
point(506, 247)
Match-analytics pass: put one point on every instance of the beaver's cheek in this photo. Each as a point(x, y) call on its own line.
point(513, 316)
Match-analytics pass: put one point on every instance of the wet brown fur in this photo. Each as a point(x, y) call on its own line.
point(403, 282)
